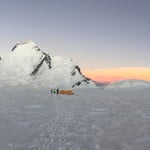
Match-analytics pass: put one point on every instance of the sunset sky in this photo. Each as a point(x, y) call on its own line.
point(109, 39)
point(114, 74)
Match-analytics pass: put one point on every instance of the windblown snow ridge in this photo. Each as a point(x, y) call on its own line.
point(28, 64)
point(132, 83)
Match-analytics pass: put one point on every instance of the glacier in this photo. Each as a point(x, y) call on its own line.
point(91, 119)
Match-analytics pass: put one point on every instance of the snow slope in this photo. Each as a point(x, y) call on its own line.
point(28, 64)
point(92, 119)
point(130, 84)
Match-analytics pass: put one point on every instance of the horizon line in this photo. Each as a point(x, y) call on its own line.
point(109, 75)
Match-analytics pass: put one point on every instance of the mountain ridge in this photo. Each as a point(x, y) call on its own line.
point(130, 83)
point(27, 63)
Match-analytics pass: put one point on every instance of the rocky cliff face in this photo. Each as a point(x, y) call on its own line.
point(28, 64)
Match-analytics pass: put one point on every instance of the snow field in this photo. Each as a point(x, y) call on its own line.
point(92, 119)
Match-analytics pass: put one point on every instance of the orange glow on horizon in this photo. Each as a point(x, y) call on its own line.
point(115, 74)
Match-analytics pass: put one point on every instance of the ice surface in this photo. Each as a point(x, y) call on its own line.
point(92, 119)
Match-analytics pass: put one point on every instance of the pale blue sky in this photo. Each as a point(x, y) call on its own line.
point(94, 33)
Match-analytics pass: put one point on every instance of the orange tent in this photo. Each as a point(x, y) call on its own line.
point(66, 92)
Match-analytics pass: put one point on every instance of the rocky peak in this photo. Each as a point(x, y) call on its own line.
point(45, 58)
point(29, 53)
point(25, 45)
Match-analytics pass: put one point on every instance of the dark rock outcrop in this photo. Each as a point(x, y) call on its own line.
point(76, 68)
point(14, 47)
point(85, 79)
point(45, 58)
point(80, 82)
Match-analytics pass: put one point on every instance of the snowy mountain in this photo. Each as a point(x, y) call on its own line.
point(28, 64)
point(129, 84)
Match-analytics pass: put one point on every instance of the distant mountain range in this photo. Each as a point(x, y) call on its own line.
point(27, 64)
point(132, 83)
